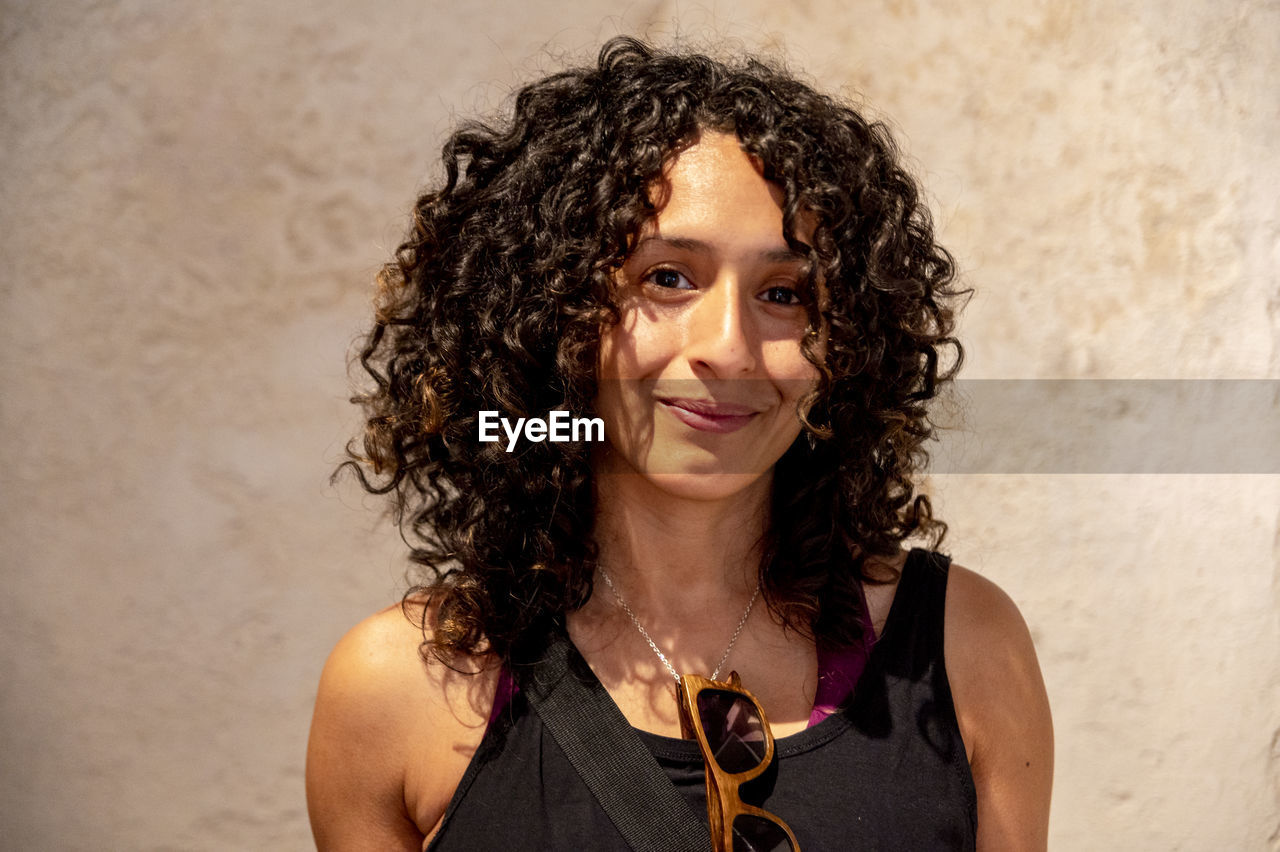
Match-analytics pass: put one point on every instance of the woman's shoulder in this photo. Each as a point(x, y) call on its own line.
point(379, 666)
point(980, 615)
point(990, 657)
point(391, 734)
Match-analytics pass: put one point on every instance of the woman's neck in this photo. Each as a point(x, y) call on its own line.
point(676, 558)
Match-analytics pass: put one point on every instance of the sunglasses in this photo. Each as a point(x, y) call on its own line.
point(737, 745)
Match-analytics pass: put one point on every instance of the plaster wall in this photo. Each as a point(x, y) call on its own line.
point(194, 198)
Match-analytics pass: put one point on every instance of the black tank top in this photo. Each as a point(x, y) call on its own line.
point(886, 772)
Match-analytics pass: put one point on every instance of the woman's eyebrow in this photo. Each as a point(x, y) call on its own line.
point(777, 255)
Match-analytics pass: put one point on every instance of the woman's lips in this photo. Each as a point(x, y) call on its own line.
point(705, 416)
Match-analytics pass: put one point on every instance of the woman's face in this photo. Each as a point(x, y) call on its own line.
point(700, 381)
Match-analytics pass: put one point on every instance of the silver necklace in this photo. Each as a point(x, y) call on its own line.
point(654, 645)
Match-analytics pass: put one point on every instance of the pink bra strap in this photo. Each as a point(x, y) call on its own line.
point(502, 696)
point(838, 671)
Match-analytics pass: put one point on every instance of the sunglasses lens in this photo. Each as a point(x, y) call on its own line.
point(734, 730)
point(756, 834)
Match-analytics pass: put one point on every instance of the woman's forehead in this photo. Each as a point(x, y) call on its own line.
point(712, 186)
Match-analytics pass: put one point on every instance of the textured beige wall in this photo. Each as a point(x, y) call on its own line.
point(194, 197)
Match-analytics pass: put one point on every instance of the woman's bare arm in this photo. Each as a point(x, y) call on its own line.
point(390, 738)
point(1003, 713)
point(355, 757)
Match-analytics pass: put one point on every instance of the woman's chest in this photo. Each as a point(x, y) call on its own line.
point(781, 672)
point(869, 783)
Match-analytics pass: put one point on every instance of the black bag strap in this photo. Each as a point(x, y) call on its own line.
point(604, 749)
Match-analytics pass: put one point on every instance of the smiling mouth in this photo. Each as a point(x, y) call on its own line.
point(721, 417)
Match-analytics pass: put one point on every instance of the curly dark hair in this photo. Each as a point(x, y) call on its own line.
point(497, 298)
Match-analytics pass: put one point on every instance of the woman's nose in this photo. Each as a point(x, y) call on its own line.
point(720, 337)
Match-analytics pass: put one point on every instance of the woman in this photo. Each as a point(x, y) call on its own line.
point(734, 274)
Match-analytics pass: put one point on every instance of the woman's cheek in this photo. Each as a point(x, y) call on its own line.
point(651, 345)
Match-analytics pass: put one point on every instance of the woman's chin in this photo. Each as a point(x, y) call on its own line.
point(705, 487)
point(700, 486)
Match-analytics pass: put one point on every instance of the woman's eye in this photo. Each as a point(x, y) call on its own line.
point(669, 279)
point(782, 296)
